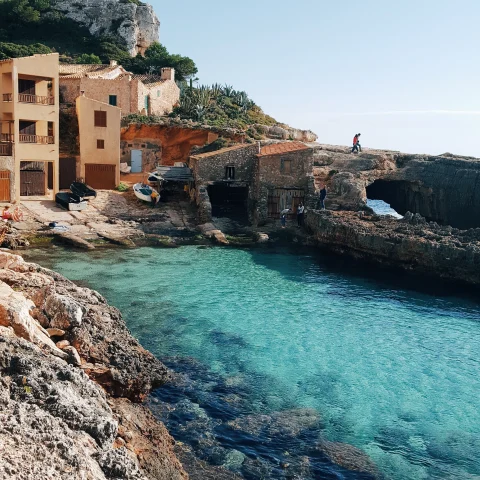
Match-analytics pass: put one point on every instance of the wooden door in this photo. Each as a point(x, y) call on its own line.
point(32, 182)
point(100, 176)
point(68, 172)
point(5, 186)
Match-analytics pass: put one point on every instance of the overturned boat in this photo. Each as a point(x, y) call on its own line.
point(83, 190)
point(70, 201)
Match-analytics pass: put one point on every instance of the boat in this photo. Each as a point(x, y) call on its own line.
point(155, 177)
point(83, 190)
point(144, 192)
point(70, 201)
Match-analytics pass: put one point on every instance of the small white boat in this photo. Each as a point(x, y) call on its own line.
point(144, 192)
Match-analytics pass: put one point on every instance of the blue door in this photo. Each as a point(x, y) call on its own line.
point(136, 161)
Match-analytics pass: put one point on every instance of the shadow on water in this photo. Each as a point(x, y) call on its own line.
point(359, 274)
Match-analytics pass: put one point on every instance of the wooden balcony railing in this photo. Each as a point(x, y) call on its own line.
point(39, 139)
point(37, 99)
point(7, 97)
point(6, 137)
point(5, 149)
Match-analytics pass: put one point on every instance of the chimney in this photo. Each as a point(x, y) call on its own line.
point(82, 93)
point(167, 73)
point(113, 63)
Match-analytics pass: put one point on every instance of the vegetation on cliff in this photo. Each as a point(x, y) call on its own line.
point(28, 27)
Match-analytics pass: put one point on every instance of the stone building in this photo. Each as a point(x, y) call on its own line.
point(261, 182)
point(284, 178)
point(224, 181)
point(99, 138)
point(29, 128)
point(112, 84)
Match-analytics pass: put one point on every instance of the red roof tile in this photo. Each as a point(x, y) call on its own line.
point(283, 147)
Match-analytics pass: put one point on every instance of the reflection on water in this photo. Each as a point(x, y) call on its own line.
point(253, 334)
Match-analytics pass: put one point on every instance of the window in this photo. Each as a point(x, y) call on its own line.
point(285, 165)
point(50, 129)
point(112, 100)
point(158, 93)
point(101, 144)
point(27, 128)
point(147, 102)
point(100, 118)
point(26, 87)
point(230, 173)
point(130, 145)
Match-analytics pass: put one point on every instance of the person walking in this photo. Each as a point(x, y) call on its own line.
point(300, 214)
point(323, 196)
point(283, 217)
point(356, 143)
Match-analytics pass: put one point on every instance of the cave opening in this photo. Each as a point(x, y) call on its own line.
point(229, 200)
point(388, 197)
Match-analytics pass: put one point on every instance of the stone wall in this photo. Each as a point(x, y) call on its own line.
point(162, 97)
point(151, 152)
point(269, 176)
point(210, 167)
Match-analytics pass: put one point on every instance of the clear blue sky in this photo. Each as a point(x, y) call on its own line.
point(406, 74)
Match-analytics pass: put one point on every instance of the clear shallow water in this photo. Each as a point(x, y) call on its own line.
point(390, 370)
point(382, 208)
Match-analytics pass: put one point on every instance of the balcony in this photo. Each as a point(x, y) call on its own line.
point(7, 97)
point(38, 139)
point(5, 149)
point(35, 99)
point(6, 137)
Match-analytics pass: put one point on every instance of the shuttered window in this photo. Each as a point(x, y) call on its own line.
point(100, 118)
point(101, 144)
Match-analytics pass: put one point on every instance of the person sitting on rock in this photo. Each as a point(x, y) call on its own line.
point(17, 215)
point(356, 143)
point(6, 214)
point(154, 198)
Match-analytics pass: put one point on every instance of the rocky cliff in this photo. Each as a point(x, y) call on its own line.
point(442, 188)
point(134, 23)
point(70, 374)
point(412, 243)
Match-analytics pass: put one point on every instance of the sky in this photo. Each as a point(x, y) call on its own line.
point(405, 74)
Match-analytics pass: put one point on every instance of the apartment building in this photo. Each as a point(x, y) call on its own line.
point(29, 131)
point(99, 138)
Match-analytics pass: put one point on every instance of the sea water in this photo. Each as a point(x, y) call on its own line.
point(391, 367)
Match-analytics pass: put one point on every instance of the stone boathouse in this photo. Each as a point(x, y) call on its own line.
point(253, 181)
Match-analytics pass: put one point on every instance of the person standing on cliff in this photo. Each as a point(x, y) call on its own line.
point(300, 214)
point(356, 143)
point(323, 196)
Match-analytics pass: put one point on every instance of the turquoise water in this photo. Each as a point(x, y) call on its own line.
point(382, 208)
point(391, 370)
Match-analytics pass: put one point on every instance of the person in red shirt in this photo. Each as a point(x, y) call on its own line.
point(356, 143)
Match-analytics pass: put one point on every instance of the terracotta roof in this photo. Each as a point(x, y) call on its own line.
point(67, 70)
point(283, 147)
point(149, 80)
point(222, 150)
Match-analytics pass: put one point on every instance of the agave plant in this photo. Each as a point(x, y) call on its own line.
point(228, 91)
point(216, 90)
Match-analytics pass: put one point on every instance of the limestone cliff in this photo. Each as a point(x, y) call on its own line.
point(136, 25)
point(69, 376)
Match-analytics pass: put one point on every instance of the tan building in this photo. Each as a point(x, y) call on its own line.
point(112, 84)
point(29, 116)
point(99, 138)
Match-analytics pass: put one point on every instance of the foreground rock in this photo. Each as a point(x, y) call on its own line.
point(411, 244)
point(67, 413)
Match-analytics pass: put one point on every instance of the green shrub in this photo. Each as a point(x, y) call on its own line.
point(123, 187)
point(88, 58)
